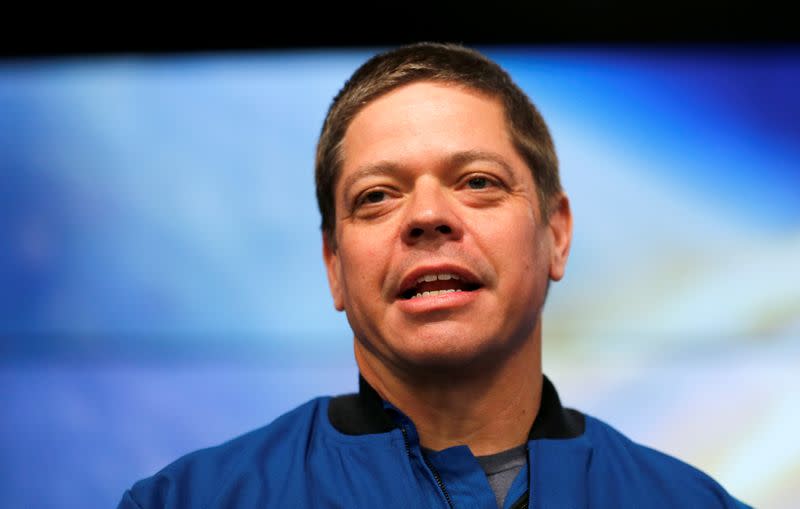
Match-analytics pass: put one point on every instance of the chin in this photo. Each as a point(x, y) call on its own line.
point(451, 354)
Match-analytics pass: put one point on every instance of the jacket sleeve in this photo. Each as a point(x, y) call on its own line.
point(128, 502)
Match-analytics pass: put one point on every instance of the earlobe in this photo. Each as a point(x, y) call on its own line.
point(560, 225)
point(333, 269)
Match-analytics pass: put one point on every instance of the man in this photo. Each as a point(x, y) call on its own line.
point(443, 223)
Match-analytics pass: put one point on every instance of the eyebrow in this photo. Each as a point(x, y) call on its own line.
point(454, 160)
point(370, 170)
point(468, 156)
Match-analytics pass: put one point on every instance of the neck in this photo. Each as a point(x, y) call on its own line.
point(490, 409)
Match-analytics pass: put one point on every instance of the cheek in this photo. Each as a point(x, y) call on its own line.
point(516, 245)
point(514, 234)
point(361, 266)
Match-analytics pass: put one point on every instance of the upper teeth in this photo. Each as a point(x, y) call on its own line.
point(433, 277)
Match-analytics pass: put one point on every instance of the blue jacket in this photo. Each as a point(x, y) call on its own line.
point(359, 451)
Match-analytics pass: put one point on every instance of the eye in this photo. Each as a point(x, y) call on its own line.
point(478, 183)
point(481, 181)
point(371, 197)
point(482, 189)
point(374, 197)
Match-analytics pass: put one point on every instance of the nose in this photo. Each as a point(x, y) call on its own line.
point(430, 214)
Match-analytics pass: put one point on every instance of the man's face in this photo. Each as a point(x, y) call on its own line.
point(441, 258)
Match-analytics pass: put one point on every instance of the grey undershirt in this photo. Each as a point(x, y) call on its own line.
point(502, 468)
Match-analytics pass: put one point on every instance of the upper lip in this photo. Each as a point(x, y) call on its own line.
point(410, 279)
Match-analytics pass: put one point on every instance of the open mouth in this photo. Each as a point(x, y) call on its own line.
point(431, 285)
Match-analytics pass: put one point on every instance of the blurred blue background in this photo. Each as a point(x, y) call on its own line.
point(162, 287)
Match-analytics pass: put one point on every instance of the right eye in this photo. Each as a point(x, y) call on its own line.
point(374, 197)
point(374, 201)
point(371, 197)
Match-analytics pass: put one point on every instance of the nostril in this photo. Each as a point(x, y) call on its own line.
point(443, 228)
point(416, 232)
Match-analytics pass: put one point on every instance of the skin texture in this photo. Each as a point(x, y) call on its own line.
point(431, 182)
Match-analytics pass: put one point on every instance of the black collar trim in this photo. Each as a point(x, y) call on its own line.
point(363, 414)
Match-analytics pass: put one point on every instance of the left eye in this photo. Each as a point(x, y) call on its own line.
point(478, 183)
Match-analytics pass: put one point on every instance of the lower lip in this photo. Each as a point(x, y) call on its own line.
point(430, 303)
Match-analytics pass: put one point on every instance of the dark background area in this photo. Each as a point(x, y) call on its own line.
point(215, 27)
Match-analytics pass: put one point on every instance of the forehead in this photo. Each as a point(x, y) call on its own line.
point(424, 121)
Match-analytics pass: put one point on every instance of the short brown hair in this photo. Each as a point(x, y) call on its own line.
point(438, 62)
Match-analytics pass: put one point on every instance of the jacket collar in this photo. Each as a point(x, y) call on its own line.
point(364, 413)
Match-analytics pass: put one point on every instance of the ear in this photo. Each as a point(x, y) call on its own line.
point(333, 267)
point(560, 226)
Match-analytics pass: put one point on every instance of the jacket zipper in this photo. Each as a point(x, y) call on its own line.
point(522, 503)
point(435, 472)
